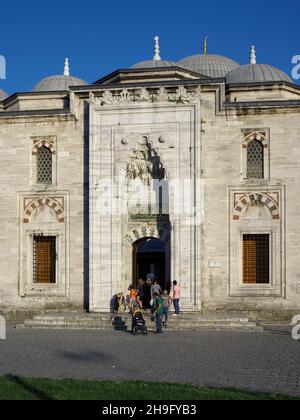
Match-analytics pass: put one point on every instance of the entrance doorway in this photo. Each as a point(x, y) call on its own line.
point(150, 258)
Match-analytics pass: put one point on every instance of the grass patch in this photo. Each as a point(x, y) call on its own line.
point(16, 388)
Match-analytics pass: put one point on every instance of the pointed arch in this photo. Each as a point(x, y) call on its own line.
point(256, 135)
point(40, 202)
point(250, 198)
point(43, 143)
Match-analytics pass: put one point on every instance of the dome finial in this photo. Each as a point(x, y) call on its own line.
point(67, 67)
point(157, 49)
point(253, 55)
point(205, 45)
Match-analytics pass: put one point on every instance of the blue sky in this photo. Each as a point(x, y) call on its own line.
point(100, 37)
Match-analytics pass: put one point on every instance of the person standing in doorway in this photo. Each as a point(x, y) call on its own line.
point(176, 298)
point(155, 289)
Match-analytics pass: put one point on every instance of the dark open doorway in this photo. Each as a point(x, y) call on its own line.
point(150, 257)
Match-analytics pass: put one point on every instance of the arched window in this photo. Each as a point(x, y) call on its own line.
point(255, 160)
point(44, 166)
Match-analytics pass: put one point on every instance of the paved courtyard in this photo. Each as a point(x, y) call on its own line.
point(268, 361)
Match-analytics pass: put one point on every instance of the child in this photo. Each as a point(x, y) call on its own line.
point(132, 293)
point(166, 305)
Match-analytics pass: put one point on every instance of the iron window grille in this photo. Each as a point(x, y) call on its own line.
point(44, 259)
point(44, 166)
point(255, 160)
point(256, 259)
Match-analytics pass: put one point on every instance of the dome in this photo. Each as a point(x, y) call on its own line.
point(255, 73)
point(150, 64)
point(209, 65)
point(3, 95)
point(60, 82)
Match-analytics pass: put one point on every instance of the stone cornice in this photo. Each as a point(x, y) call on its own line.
point(56, 114)
point(162, 94)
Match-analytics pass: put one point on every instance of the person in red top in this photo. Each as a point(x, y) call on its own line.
point(176, 298)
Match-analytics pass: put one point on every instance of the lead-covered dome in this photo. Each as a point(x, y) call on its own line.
point(151, 64)
point(60, 82)
point(210, 65)
point(3, 95)
point(256, 73)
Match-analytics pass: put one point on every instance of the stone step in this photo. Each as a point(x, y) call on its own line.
point(123, 322)
point(111, 327)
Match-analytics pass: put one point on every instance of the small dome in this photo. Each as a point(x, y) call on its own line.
point(60, 82)
point(3, 95)
point(154, 64)
point(209, 65)
point(255, 73)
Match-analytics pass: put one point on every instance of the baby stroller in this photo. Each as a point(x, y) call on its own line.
point(139, 323)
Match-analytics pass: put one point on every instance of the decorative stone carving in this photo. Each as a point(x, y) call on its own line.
point(108, 98)
point(162, 95)
point(143, 95)
point(145, 164)
point(139, 167)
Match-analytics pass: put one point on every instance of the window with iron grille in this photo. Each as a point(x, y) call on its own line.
point(256, 259)
point(44, 166)
point(44, 259)
point(255, 160)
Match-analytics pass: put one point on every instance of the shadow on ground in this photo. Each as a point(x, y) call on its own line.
point(33, 391)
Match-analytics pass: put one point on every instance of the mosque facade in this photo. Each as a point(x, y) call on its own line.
point(184, 171)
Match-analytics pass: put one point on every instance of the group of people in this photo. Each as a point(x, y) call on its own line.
point(149, 295)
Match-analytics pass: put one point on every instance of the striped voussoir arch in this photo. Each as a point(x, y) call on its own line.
point(256, 135)
point(40, 202)
point(142, 232)
point(250, 198)
point(43, 143)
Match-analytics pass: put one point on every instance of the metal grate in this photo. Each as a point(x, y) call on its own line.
point(255, 160)
point(256, 259)
point(44, 163)
point(44, 259)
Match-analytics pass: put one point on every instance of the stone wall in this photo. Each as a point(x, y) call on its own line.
point(223, 179)
point(27, 207)
point(195, 137)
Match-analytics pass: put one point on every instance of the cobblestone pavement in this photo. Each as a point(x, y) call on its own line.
point(267, 361)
